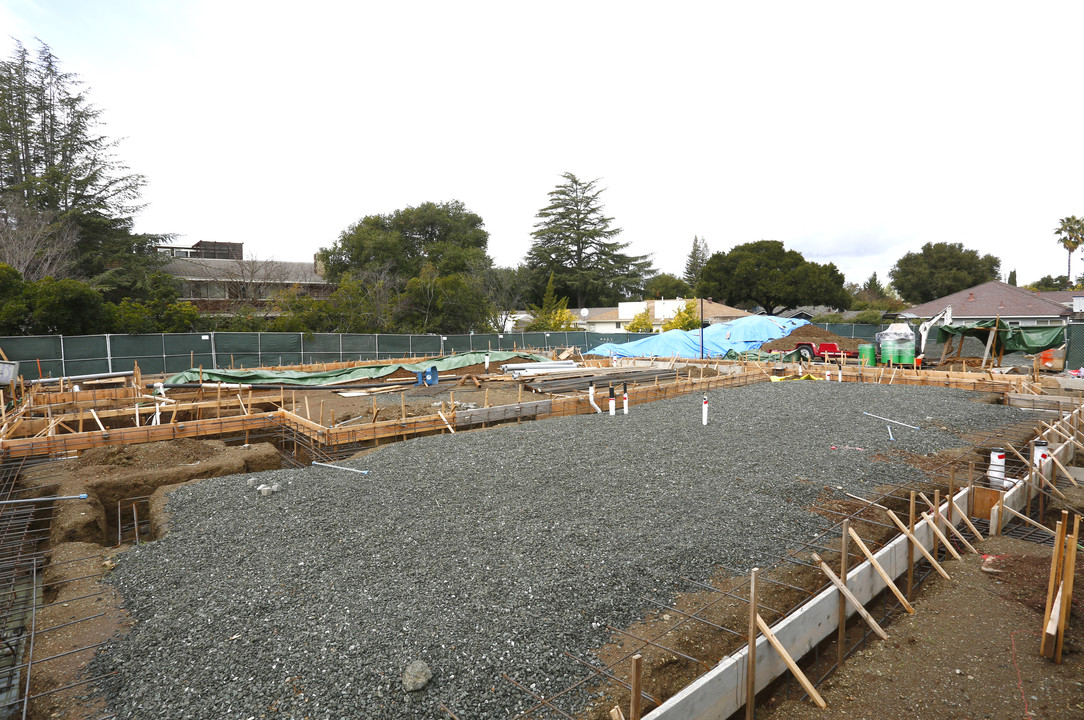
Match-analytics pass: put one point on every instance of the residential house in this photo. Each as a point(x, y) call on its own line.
point(995, 299)
point(217, 278)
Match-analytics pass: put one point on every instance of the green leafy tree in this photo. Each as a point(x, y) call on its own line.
point(640, 323)
point(827, 318)
point(64, 307)
point(505, 290)
point(553, 314)
point(574, 242)
point(1070, 232)
point(684, 319)
point(698, 257)
point(665, 285)
point(1011, 280)
point(443, 303)
point(867, 317)
point(13, 307)
point(445, 235)
point(1049, 283)
point(764, 273)
point(941, 269)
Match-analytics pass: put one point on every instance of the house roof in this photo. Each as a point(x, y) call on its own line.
point(994, 299)
point(1065, 297)
point(267, 271)
point(812, 311)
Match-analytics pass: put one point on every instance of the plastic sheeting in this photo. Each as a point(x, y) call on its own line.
point(737, 336)
point(344, 376)
point(1030, 339)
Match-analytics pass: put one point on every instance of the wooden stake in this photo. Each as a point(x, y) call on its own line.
point(751, 657)
point(321, 412)
point(881, 571)
point(793, 666)
point(402, 405)
point(847, 594)
point(1052, 583)
point(308, 416)
point(926, 553)
point(1067, 573)
point(637, 679)
point(937, 535)
point(910, 548)
point(841, 639)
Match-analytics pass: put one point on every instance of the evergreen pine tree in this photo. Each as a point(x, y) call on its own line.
point(695, 263)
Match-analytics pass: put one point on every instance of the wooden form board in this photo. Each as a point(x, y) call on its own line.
point(1061, 403)
point(721, 691)
point(466, 418)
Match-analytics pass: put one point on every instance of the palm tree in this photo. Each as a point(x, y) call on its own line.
point(1070, 232)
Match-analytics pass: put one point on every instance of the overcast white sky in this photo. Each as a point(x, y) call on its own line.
point(854, 132)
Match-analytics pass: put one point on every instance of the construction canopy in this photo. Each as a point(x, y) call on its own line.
point(746, 333)
point(1008, 338)
point(344, 376)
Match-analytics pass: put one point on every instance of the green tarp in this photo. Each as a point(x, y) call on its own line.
point(1031, 339)
point(345, 376)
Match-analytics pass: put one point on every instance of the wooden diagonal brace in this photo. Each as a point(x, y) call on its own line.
point(793, 666)
point(881, 571)
point(850, 597)
point(926, 553)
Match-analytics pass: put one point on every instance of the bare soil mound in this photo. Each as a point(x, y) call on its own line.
point(816, 335)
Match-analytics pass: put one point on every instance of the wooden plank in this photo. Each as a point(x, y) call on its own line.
point(1054, 581)
point(1068, 572)
point(751, 654)
point(793, 666)
point(1051, 630)
point(850, 597)
point(984, 500)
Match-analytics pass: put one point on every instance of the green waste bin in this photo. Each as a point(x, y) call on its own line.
point(867, 355)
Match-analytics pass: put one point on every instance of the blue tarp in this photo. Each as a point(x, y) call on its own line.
point(747, 333)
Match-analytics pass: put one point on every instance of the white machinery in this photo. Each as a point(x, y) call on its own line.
point(942, 318)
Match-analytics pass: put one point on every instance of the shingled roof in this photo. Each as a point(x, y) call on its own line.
point(994, 299)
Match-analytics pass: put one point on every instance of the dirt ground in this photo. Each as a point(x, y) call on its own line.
point(971, 650)
point(814, 334)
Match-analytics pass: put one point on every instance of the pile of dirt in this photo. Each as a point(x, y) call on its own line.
point(815, 335)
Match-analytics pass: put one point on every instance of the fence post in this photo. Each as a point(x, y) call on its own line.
point(302, 335)
point(214, 353)
point(63, 365)
point(109, 351)
point(376, 346)
point(259, 350)
point(340, 347)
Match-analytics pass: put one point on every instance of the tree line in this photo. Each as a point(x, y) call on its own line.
point(70, 262)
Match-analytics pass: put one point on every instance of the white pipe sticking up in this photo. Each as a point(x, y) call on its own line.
point(625, 398)
point(487, 362)
point(1040, 458)
point(591, 397)
point(996, 473)
point(705, 413)
point(613, 402)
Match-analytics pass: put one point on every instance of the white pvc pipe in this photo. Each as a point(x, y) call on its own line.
point(705, 412)
point(996, 473)
point(44, 499)
point(625, 398)
point(340, 467)
point(591, 397)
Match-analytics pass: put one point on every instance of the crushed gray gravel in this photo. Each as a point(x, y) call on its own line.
point(488, 552)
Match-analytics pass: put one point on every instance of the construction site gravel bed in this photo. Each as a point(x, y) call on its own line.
point(489, 553)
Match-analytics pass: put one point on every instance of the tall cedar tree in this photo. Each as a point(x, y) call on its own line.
point(698, 256)
point(574, 241)
point(53, 161)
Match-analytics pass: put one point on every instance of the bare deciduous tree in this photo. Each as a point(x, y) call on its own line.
point(36, 243)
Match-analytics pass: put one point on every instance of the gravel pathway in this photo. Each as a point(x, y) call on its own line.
point(488, 552)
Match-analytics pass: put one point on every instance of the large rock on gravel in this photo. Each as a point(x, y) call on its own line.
point(416, 676)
